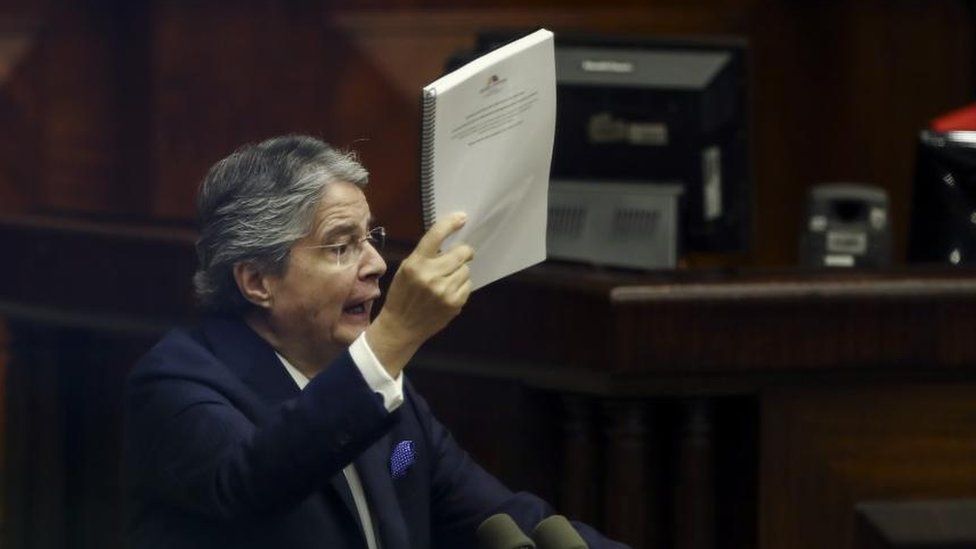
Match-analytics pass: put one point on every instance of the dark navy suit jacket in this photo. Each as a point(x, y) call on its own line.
point(223, 450)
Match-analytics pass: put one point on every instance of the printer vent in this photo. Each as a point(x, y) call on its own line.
point(566, 221)
point(629, 223)
point(615, 223)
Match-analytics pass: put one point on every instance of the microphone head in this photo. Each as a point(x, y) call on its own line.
point(556, 532)
point(500, 532)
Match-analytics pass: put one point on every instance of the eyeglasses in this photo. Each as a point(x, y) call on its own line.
point(348, 253)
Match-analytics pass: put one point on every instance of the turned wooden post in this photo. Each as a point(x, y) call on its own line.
point(694, 491)
point(579, 493)
point(626, 490)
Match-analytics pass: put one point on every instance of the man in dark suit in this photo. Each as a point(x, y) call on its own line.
point(284, 419)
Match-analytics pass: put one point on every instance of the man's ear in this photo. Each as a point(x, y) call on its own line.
point(253, 284)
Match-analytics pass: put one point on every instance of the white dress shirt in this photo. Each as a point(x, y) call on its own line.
point(379, 380)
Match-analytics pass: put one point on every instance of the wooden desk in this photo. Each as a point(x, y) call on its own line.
point(635, 333)
point(876, 361)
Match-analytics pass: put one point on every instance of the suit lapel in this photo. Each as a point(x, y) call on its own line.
point(383, 501)
point(254, 361)
point(248, 356)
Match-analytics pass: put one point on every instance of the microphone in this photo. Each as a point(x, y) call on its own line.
point(500, 532)
point(556, 532)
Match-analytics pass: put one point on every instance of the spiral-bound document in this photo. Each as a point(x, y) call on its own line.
point(486, 147)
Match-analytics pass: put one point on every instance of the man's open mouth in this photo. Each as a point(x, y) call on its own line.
point(357, 308)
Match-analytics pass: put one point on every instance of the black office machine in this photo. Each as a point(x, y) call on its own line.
point(847, 225)
point(943, 223)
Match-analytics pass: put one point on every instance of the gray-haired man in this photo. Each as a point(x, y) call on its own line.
point(284, 419)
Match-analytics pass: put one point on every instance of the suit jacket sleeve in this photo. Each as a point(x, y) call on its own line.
point(191, 445)
point(463, 494)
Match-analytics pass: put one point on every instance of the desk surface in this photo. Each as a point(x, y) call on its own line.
point(707, 327)
point(609, 330)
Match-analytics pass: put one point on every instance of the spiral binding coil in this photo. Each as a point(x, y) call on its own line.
point(427, 158)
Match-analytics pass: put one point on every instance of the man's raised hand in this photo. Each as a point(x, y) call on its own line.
point(428, 290)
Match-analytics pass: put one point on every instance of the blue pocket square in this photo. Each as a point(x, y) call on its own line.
point(402, 458)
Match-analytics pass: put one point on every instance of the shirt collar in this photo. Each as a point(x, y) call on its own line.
point(295, 374)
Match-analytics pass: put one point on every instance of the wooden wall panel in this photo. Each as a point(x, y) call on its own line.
point(71, 103)
point(79, 157)
point(19, 114)
point(62, 481)
point(4, 365)
point(824, 449)
point(841, 90)
point(225, 76)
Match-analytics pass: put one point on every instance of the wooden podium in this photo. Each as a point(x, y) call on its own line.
point(862, 383)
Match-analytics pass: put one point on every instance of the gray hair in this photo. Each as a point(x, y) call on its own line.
point(254, 204)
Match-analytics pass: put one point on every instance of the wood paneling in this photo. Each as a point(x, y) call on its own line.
point(225, 76)
point(4, 366)
point(841, 90)
point(19, 115)
point(74, 136)
point(80, 159)
point(62, 481)
point(826, 448)
point(125, 274)
point(722, 323)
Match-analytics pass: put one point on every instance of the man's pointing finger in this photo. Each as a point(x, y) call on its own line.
point(430, 243)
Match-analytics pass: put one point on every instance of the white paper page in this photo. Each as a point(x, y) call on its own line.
point(493, 148)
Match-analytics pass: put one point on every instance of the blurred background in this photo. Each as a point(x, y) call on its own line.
point(736, 400)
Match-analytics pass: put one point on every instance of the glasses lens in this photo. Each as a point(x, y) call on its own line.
point(347, 255)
